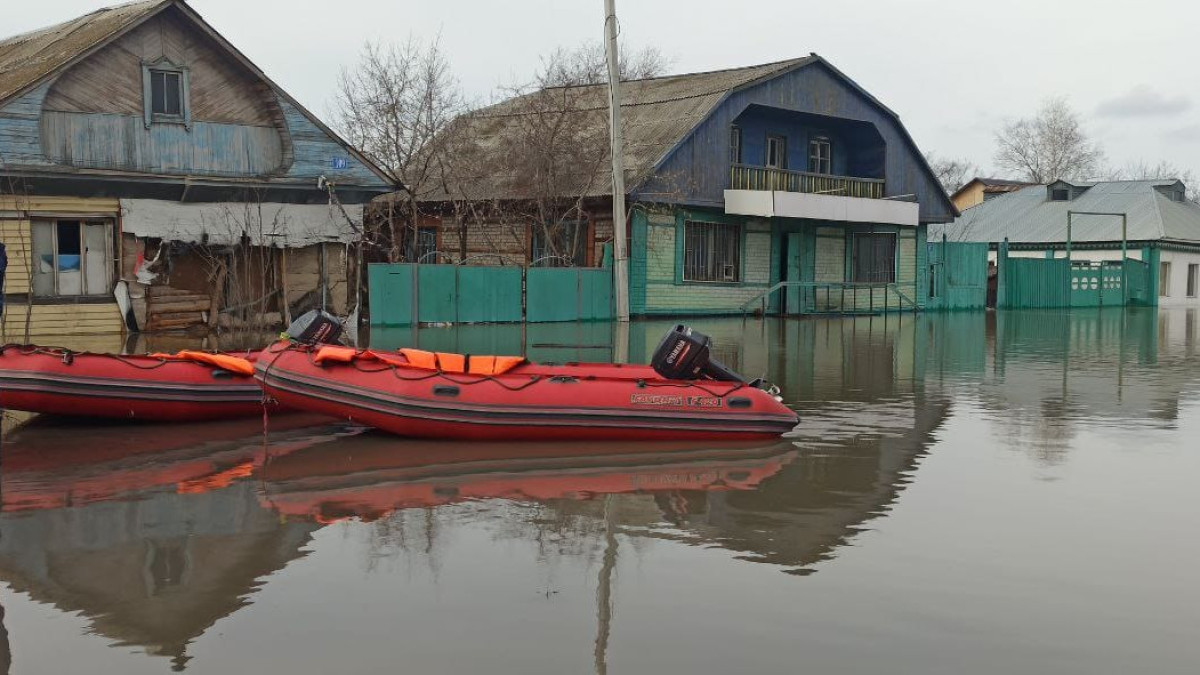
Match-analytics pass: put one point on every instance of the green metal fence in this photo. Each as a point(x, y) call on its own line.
point(407, 294)
point(1044, 283)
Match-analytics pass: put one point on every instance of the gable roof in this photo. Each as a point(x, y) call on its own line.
point(657, 113)
point(1028, 216)
point(31, 58)
point(991, 185)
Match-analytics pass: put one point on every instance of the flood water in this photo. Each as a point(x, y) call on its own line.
point(966, 493)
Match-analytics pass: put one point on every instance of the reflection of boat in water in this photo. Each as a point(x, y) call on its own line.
point(148, 531)
point(62, 463)
point(371, 475)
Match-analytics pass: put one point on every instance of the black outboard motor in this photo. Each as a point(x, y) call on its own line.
point(684, 355)
point(315, 326)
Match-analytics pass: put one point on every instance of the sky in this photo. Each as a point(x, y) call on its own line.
point(953, 71)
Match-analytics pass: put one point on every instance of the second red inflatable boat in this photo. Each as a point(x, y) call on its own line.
point(454, 396)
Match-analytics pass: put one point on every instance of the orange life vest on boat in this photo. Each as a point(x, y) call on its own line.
point(234, 364)
point(444, 362)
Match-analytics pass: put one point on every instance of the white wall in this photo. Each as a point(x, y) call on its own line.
point(1177, 287)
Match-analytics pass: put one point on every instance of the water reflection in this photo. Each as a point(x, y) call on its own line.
point(155, 533)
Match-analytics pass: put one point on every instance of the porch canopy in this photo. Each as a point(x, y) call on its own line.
point(226, 223)
point(777, 204)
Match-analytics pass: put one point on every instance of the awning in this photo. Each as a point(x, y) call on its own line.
point(265, 224)
point(773, 204)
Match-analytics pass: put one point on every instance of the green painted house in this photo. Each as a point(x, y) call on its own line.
point(782, 187)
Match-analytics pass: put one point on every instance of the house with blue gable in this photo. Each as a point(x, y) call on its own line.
point(147, 164)
point(785, 188)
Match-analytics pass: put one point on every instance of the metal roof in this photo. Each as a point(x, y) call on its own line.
point(657, 113)
point(28, 58)
point(1028, 216)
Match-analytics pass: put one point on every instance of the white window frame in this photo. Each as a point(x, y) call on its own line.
point(185, 93)
point(703, 263)
point(820, 155)
point(1193, 279)
point(109, 259)
point(1164, 279)
point(779, 145)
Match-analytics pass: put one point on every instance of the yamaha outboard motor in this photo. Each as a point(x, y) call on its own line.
point(684, 355)
point(315, 326)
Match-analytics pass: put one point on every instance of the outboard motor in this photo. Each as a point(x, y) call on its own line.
point(684, 355)
point(315, 326)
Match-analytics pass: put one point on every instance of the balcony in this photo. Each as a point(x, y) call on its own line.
point(744, 177)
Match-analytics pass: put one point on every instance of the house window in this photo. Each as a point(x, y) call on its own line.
point(712, 252)
point(166, 93)
point(72, 258)
point(820, 155)
point(1060, 195)
point(874, 258)
point(425, 250)
point(560, 245)
point(1164, 280)
point(776, 152)
point(1193, 273)
point(735, 145)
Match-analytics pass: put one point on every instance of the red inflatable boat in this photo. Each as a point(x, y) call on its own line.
point(453, 396)
point(189, 386)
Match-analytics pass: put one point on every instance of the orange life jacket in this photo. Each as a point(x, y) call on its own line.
point(234, 364)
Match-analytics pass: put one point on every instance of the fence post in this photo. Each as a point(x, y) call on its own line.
point(1002, 275)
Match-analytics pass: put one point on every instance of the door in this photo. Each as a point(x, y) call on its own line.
point(793, 249)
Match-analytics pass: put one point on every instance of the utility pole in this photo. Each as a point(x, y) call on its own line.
point(617, 149)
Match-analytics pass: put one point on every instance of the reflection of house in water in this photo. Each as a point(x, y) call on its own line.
point(153, 551)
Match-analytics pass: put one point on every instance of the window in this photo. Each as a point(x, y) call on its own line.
point(1060, 195)
point(561, 245)
point(874, 258)
point(712, 252)
point(72, 258)
point(1193, 273)
point(735, 145)
point(775, 152)
point(166, 93)
point(426, 247)
point(820, 155)
point(1164, 280)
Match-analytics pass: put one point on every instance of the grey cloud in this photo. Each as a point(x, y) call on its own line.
point(1142, 101)
point(1186, 134)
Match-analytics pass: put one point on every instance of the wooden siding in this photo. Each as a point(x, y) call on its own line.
point(110, 81)
point(108, 141)
point(703, 155)
point(65, 319)
point(315, 153)
point(20, 131)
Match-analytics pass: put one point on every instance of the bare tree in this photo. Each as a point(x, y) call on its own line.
point(396, 105)
point(951, 172)
point(1163, 170)
point(587, 64)
point(1051, 145)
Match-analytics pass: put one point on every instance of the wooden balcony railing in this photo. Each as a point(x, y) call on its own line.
point(743, 177)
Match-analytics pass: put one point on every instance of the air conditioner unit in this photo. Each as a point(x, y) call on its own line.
point(728, 273)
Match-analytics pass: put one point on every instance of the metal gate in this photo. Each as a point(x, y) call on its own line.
point(958, 275)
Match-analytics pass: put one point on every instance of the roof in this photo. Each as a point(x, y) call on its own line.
point(31, 58)
point(992, 185)
point(28, 58)
point(1028, 216)
point(656, 114)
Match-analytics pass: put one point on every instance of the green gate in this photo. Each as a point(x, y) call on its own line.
point(1097, 284)
point(958, 275)
point(404, 294)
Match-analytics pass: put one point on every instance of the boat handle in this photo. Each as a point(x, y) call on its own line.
point(740, 402)
point(445, 390)
point(219, 374)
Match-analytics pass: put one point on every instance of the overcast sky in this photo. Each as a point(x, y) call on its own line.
point(953, 71)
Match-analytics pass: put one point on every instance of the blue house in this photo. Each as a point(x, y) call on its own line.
point(785, 187)
point(140, 150)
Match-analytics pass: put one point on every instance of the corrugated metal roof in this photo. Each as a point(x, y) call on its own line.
point(657, 113)
point(223, 224)
point(1028, 216)
point(27, 58)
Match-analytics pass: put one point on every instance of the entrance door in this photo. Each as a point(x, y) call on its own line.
point(793, 249)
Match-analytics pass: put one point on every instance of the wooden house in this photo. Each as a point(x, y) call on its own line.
point(978, 190)
point(783, 186)
point(138, 145)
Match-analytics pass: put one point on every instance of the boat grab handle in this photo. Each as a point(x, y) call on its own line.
point(445, 390)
